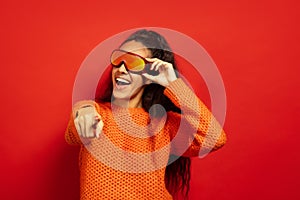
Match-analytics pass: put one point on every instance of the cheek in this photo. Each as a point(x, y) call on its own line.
point(138, 80)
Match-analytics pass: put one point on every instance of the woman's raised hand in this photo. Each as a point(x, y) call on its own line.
point(87, 121)
point(166, 72)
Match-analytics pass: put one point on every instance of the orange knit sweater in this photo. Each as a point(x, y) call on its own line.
point(129, 159)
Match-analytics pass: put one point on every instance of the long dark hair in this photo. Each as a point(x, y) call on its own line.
point(177, 174)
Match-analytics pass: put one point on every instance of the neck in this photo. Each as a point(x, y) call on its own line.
point(135, 102)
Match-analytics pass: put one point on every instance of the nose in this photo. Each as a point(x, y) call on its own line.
point(122, 69)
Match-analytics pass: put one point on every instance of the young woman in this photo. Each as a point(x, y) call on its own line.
point(137, 140)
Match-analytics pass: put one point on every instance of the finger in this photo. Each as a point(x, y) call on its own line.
point(99, 128)
point(95, 129)
point(96, 120)
point(152, 59)
point(81, 126)
point(77, 126)
point(153, 65)
point(153, 62)
point(159, 66)
point(95, 126)
point(97, 132)
point(85, 125)
point(97, 117)
point(89, 123)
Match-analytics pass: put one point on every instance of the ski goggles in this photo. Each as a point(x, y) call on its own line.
point(133, 62)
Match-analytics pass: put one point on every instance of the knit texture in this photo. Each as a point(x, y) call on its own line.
point(129, 159)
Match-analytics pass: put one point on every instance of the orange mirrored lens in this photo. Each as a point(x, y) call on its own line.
point(134, 63)
point(131, 61)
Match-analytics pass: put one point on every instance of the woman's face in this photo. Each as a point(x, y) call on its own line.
point(127, 85)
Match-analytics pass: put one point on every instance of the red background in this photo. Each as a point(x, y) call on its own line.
point(255, 45)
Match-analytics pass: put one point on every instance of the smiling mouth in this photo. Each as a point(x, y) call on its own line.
point(121, 81)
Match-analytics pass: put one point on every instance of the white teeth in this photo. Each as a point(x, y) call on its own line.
point(122, 80)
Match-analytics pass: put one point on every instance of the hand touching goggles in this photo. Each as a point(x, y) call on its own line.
point(133, 62)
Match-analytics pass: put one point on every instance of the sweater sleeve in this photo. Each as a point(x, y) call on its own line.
point(71, 135)
point(194, 132)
